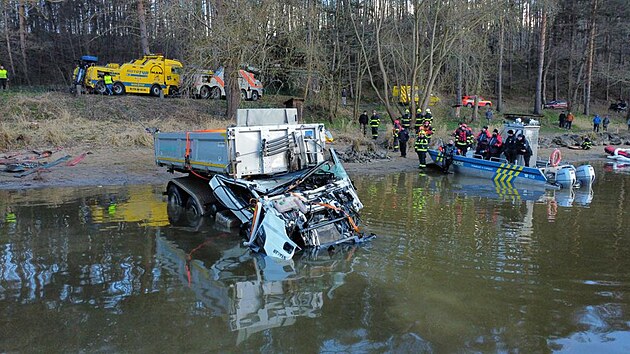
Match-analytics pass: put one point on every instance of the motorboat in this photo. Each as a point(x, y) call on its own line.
point(551, 174)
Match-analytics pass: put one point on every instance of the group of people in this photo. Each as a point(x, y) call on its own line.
point(488, 145)
point(597, 121)
point(401, 131)
point(491, 145)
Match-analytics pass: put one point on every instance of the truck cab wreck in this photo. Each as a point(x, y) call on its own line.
point(270, 174)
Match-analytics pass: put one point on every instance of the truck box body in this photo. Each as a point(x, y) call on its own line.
point(248, 149)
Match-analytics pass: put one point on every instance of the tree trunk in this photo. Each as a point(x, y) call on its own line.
point(8, 39)
point(500, 68)
point(142, 21)
point(22, 30)
point(589, 65)
point(541, 63)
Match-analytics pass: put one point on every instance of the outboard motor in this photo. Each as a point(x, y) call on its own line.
point(585, 174)
point(565, 176)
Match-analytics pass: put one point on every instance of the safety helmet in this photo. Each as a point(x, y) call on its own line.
point(428, 110)
point(419, 110)
point(406, 111)
point(421, 132)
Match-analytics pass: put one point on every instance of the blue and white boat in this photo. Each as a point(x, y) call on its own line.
point(550, 174)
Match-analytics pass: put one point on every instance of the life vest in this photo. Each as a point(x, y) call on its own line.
point(461, 136)
point(3, 74)
point(108, 79)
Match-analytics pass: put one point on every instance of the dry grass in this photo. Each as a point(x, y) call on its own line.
point(60, 120)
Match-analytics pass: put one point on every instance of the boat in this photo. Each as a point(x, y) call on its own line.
point(550, 174)
point(615, 153)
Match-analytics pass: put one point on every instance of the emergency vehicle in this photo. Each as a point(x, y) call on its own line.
point(208, 84)
point(151, 74)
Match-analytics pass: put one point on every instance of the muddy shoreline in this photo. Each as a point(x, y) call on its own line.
point(133, 166)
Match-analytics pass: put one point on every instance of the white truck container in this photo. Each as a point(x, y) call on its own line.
point(208, 84)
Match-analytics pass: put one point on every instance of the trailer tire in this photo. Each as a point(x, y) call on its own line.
point(155, 90)
point(174, 195)
point(205, 92)
point(255, 95)
point(193, 208)
point(119, 88)
point(215, 93)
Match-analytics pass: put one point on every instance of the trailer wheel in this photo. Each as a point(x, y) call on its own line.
point(255, 95)
point(174, 195)
point(215, 93)
point(193, 208)
point(119, 88)
point(205, 92)
point(155, 90)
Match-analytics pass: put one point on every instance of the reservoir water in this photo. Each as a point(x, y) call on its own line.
point(459, 265)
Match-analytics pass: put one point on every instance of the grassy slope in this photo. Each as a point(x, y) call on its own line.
point(47, 119)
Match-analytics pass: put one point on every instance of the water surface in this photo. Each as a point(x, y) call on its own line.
point(459, 265)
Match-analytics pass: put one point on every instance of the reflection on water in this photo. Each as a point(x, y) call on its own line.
point(459, 265)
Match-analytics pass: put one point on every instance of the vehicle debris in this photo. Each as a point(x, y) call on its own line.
point(273, 174)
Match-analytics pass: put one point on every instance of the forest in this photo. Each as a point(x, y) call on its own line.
point(539, 50)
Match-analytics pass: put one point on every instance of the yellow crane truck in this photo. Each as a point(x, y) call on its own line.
point(151, 74)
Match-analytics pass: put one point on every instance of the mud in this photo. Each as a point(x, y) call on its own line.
point(107, 167)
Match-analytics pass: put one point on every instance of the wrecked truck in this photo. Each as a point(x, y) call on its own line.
point(269, 174)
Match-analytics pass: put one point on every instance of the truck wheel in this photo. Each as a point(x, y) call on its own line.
point(119, 88)
point(215, 93)
point(173, 91)
point(155, 90)
point(193, 208)
point(469, 105)
point(100, 87)
point(243, 94)
point(174, 195)
point(255, 95)
point(204, 92)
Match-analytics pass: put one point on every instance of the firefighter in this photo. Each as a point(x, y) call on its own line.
point(375, 121)
point(403, 137)
point(586, 144)
point(428, 116)
point(421, 146)
point(462, 138)
point(428, 130)
point(483, 140)
point(405, 121)
point(496, 145)
point(107, 79)
point(419, 118)
point(523, 149)
point(510, 147)
point(395, 132)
